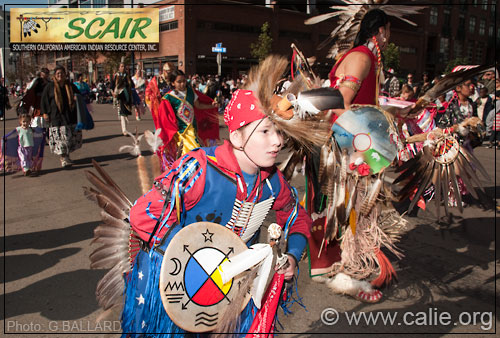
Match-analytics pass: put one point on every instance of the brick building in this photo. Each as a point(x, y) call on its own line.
point(190, 28)
point(446, 31)
point(189, 31)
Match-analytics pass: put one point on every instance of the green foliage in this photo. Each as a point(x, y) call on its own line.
point(262, 47)
point(455, 62)
point(113, 61)
point(391, 57)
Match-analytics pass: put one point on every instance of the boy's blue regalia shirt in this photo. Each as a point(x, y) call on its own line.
point(143, 310)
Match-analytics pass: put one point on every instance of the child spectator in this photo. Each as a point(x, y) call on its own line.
point(26, 143)
point(407, 93)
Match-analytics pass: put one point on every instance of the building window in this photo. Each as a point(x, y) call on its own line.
point(474, 3)
point(85, 4)
point(446, 13)
point(433, 16)
point(443, 48)
point(485, 5)
point(461, 27)
point(479, 53)
point(482, 27)
point(458, 48)
point(491, 30)
point(167, 13)
point(408, 50)
point(168, 26)
point(470, 51)
point(99, 3)
point(472, 24)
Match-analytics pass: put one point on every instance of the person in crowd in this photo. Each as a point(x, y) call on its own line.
point(158, 87)
point(488, 81)
point(202, 84)
point(484, 104)
point(407, 94)
point(410, 80)
point(493, 119)
point(84, 90)
point(212, 87)
point(140, 84)
point(4, 100)
point(392, 83)
point(122, 86)
point(58, 107)
point(176, 114)
point(423, 86)
point(459, 108)
point(26, 143)
point(30, 103)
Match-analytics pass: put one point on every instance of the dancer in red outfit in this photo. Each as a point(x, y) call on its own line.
point(357, 73)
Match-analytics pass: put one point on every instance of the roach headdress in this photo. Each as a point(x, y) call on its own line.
point(350, 16)
point(259, 100)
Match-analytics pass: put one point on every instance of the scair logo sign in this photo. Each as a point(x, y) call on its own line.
point(45, 26)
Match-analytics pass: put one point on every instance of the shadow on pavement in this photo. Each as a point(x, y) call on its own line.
point(446, 268)
point(21, 266)
point(76, 166)
point(50, 238)
point(61, 297)
point(101, 138)
point(99, 159)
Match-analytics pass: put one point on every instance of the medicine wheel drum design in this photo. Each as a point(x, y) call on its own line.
point(365, 132)
point(191, 286)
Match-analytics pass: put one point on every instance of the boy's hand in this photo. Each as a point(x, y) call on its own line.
point(288, 269)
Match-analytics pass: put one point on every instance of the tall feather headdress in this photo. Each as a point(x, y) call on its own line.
point(349, 20)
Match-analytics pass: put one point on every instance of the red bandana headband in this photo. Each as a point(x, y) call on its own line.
point(242, 110)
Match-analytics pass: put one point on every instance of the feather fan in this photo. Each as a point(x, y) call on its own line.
point(118, 244)
point(425, 170)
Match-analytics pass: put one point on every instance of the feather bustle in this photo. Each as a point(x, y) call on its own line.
point(465, 178)
point(454, 184)
point(446, 189)
point(106, 190)
point(423, 184)
point(110, 182)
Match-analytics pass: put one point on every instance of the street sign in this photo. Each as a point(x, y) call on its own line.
point(219, 49)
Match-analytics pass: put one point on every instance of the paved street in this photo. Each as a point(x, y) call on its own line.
point(49, 287)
